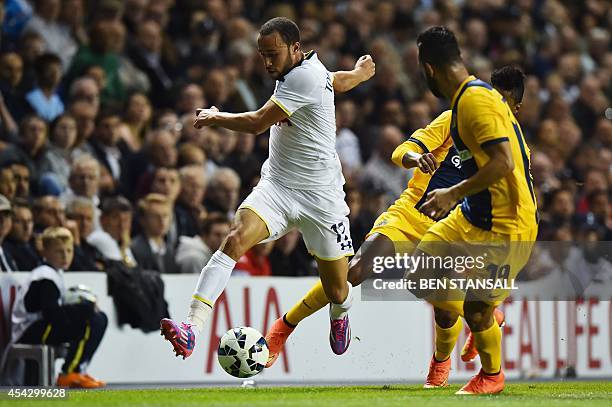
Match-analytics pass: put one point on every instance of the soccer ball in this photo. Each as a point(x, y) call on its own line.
point(79, 293)
point(243, 352)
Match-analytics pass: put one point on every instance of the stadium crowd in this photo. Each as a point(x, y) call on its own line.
point(98, 100)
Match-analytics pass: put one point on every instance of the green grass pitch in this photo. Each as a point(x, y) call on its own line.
point(516, 394)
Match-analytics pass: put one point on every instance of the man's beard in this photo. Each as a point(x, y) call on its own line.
point(433, 86)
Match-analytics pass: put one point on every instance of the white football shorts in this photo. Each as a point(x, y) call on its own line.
point(321, 217)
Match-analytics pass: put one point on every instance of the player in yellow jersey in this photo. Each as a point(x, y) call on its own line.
point(498, 207)
point(402, 222)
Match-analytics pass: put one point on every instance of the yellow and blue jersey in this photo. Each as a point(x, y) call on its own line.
point(480, 118)
point(403, 222)
point(435, 139)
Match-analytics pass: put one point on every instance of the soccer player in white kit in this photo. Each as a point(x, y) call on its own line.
point(301, 182)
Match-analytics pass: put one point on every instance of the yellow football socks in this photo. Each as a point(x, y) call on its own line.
point(488, 344)
point(446, 339)
point(314, 300)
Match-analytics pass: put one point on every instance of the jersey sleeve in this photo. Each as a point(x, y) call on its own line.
point(426, 140)
point(298, 89)
point(486, 117)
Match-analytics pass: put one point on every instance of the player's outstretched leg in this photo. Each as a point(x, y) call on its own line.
point(448, 327)
point(279, 332)
point(247, 230)
point(339, 292)
point(487, 339)
point(360, 268)
point(469, 352)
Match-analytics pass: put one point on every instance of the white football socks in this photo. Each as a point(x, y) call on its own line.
point(338, 311)
point(213, 279)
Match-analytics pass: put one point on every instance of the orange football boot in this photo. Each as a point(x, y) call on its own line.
point(484, 383)
point(276, 338)
point(438, 373)
point(77, 380)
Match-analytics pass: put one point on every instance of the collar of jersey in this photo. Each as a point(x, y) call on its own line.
point(307, 55)
point(468, 79)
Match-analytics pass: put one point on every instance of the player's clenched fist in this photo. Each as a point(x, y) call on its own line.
point(366, 66)
point(427, 163)
point(204, 117)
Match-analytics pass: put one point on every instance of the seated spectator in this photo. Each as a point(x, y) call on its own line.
point(191, 154)
point(84, 113)
point(380, 169)
point(110, 152)
point(7, 264)
point(102, 51)
point(84, 182)
point(21, 173)
point(189, 207)
point(85, 89)
point(44, 99)
point(136, 121)
point(146, 56)
point(113, 239)
point(243, 161)
point(42, 305)
point(19, 242)
point(223, 192)
point(48, 211)
point(255, 261)
point(11, 74)
point(55, 38)
point(166, 182)
point(159, 151)
point(347, 142)
point(31, 144)
point(167, 119)
point(150, 248)
point(58, 156)
point(81, 211)
point(194, 252)
point(7, 182)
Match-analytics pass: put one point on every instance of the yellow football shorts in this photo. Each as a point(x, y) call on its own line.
point(499, 256)
point(402, 222)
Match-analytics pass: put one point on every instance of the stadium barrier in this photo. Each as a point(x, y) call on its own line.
point(392, 341)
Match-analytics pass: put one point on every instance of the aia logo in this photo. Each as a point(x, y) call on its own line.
point(286, 122)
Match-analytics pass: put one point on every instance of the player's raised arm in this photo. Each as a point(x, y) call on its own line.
point(416, 151)
point(343, 81)
point(248, 122)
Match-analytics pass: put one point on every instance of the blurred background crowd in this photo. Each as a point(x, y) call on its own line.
point(98, 99)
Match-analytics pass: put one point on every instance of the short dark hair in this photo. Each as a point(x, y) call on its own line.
point(206, 225)
point(115, 204)
point(106, 113)
point(21, 203)
point(510, 79)
point(438, 47)
point(287, 29)
point(42, 63)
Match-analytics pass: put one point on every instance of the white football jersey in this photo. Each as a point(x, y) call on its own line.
point(302, 147)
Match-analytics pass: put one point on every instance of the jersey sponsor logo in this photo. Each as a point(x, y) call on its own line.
point(456, 160)
point(465, 155)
